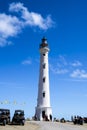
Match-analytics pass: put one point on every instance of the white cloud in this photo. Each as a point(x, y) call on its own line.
point(61, 71)
point(62, 60)
point(76, 63)
point(79, 74)
point(9, 27)
point(12, 25)
point(31, 18)
point(59, 65)
point(57, 70)
point(27, 62)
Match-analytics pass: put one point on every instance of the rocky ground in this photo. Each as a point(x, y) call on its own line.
point(31, 125)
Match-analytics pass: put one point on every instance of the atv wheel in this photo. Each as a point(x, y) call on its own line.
point(4, 122)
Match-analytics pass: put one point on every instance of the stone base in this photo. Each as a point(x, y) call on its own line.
point(43, 113)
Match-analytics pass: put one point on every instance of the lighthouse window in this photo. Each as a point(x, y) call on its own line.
point(43, 94)
point(43, 54)
point(44, 66)
point(44, 79)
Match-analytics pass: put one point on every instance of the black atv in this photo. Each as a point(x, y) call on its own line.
point(4, 116)
point(62, 120)
point(18, 117)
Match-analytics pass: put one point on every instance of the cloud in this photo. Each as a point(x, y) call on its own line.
point(61, 71)
point(12, 24)
point(62, 60)
point(26, 62)
point(9, 26)
point(31, 18)
point(7, 102)
point(61, 65)
point(79, 74)
point(57, 70)
point(76, 63)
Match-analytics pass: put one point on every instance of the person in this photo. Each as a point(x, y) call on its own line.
point(46, 118)
point(75, 120)
point(81, 121)
point(50, 117)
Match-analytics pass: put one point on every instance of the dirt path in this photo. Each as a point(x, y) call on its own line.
point(27, 126)
point(60, 126)
point(32, 125)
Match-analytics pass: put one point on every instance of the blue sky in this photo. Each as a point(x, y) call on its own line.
point(22, 26)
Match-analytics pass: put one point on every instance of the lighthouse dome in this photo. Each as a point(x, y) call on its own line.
point(44, 43)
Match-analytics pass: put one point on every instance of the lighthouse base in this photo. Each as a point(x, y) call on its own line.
point(43, 113)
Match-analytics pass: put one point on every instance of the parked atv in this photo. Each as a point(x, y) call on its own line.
point(4, 116)
point(62, 120)
point(18, 117)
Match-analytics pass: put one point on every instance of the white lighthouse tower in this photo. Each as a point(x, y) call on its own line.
point(43, 109)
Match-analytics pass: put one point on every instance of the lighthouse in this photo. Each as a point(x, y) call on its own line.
point(43, 109)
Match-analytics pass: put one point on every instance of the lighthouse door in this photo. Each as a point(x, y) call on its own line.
point(43, 114)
